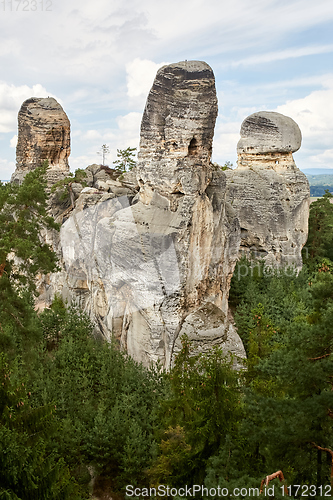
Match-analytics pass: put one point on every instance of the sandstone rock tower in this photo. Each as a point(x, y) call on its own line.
point(43, 134)
point(177, 129)
point(267, 190)
point(151, 258)
point(151, 265)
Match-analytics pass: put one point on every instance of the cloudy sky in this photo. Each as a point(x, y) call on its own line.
point(99, 59)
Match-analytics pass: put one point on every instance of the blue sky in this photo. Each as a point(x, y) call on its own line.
point(99, 59)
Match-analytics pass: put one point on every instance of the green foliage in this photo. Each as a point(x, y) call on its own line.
point(283, 293)
point(23, 254)
point(106, 403)
point(201, 423)
point(64, 186)
point(320, 238)
point(125, 159)
point(233, 467)
point(227, 166)
point(27, 468)
point(284, 319)
point(23, 216)
point(298, 413)
point(202, 408)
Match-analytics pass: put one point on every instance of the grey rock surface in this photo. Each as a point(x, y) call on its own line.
point(152, 266)
point(177, 129)
point(149, 255)
point(269, 132)
point(269, 193)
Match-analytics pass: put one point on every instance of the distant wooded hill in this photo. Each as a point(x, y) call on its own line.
point(319, 183)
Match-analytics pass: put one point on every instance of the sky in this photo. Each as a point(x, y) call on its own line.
point(99, 60)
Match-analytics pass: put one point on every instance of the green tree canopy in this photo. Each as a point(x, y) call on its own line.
point(320, 239)
point(23, 252)
point(125, 159)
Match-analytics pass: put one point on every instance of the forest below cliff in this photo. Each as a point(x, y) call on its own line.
point(79, 417)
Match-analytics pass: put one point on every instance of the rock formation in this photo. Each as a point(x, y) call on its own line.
point(177, 129)
point(151, 265)
point(43, 134)
point(149, 255)
point(267, 190)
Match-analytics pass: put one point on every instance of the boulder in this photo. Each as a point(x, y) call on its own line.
point(269, 132)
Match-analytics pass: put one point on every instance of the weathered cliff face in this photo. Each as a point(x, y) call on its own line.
point(151, 266)
point(268, 192)
point(43, 134)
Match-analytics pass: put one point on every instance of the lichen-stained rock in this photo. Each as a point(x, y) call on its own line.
point(146, 266)
point(43, 134)
point(267, 190)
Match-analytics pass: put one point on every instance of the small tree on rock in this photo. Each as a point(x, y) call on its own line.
point(125, 159)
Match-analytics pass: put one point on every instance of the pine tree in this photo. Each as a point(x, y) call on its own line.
point(125, 159)
point(295, 418)
point(202, 409)
point(320, 239)
point(27, 468)
point(23, 253)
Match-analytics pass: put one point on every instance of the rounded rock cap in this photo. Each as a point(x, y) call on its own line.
point(269, 132)
point(193, 69)
point(47, 103)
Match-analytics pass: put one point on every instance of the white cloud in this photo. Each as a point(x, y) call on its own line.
point(100, 58)
point(96, 136)
point(82, 161)
point(13, 141)
point(227, 133)
point(6, 169)
point(92, 135)
point(283, 54)
point(325, 158)
point(314, 115)
point(130, 122)
point(10, 47)
point(127, 134)
point(11, 99)
point(140, 76)
point(129, 130)
point(225, 142)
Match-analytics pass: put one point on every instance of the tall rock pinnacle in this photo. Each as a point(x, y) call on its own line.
point(177, 128)
point(43, 134)
point(149, 268)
